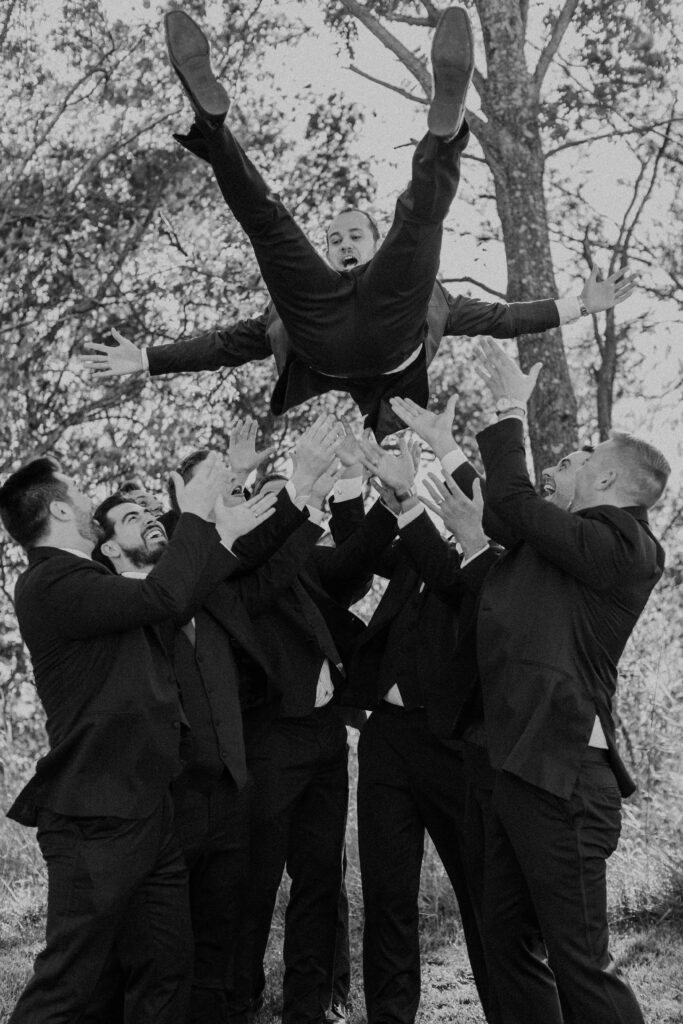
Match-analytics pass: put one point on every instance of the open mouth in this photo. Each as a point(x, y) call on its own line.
point(349, 261)
point(548, 487)
point(154, 533)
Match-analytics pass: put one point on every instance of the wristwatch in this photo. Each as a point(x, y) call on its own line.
point(582, 309)
point(508, 404)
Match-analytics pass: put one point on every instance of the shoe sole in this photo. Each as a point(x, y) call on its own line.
point(452, 64)
point(188, 51)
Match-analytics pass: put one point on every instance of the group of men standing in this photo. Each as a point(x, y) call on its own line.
point(198, 670)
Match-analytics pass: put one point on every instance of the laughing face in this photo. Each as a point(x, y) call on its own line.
point(137, 535)
point(558, 483)
point(350, 241)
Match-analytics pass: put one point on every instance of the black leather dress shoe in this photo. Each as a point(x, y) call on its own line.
point(452, 65)
point(188, 50)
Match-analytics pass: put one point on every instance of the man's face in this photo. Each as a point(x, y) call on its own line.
point(559, 483)
point(83, 508)
point(350, 241)
point(137, 533)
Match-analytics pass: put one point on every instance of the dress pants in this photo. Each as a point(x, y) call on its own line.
point(365, 321)
point(546, 870)
point(212, 825)
point(300, 799)
point(116, 888)
point(408, 782)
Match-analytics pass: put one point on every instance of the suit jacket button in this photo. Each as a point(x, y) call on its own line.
point(176, 725)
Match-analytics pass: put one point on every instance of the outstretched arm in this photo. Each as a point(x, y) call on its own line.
point(243, 342)
point(474, 317)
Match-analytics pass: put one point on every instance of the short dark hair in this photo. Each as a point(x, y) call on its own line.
point(101, 516)
point(354, 209)
point(648, 468)
point(25, 499)
point(185, 470)
point(270, 478)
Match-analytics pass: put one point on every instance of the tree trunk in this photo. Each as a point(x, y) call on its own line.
point(511, 141)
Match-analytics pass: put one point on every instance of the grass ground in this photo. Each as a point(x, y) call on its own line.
point(646, 913)
point(650, 951)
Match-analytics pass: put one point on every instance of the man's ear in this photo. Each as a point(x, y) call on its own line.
point(110, 548)
point(606, 479)
point(61, 510)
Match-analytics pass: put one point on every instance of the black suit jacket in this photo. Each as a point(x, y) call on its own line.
point(555, 614)
point(104, 677)
point(265, 335)
point(421, 563)
point(285, 617)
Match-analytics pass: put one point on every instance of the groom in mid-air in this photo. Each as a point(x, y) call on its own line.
point(369, 319)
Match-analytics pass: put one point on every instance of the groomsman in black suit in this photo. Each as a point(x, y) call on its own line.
point(555, 614)
point(298, 631)
point(117, 884)
point(211, 796)
point(415, 670)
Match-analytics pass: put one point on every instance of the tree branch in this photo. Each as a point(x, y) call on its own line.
point(414, 64)
point(476, 283)
point(614, 134)
point(5, 25)
point(551, 47)
point(388, 85)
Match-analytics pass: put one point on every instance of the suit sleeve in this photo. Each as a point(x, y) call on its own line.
point(85, 602)
point(599, 547)
point(242, 343)
point(261, 587)
point(346, 516)
point(439, 564)
point(473, 317)
point(361, 553)
point(260, 544)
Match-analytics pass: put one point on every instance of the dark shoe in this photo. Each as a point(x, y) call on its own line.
point(452, 64)
point(188, 50)
point(336, 1014)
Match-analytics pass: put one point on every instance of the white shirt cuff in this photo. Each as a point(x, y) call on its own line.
point(569, 308)
point(316, 515)
point(470, 558)
point(145, 359)
point(348, 488)
point(452, 459)
point(408, 517)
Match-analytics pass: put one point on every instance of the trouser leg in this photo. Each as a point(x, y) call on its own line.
point(561, 847)
point(212, 827)
point(441, 788)
point(314, 863)
point(109, 879)
point(300, 281)
point(394, 292)
point(391, 844)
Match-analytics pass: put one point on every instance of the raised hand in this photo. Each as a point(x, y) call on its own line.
point(598, 295)
point(233, 521)
point(395, 471)
point(435, 429)
point(349, 452)
point(503, 376)
point(200, 494)
point(314, 451)
point(113, 360)
point(324, 484)
point(460, 515)
point(242, 452)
